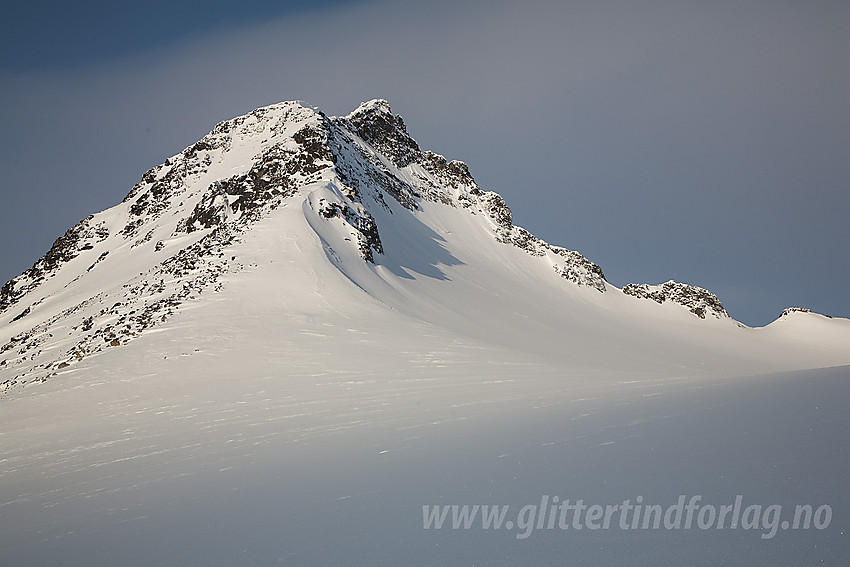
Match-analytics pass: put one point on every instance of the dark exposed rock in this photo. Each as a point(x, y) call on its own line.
point(23, 314)
point(699, 301)
point(132, 227)
point(153, 195)
point(76, 239)
point(205, 144)
point(140, 206)
point(385, 131)
point(362, 223)
point(450, 173)
point(368, 173)
point(268, 182)
point(460, 171)
point(64, 248)
point(378, 181)
point(98, 261)
point(315, 150)
point(497, 209)
point(147, 179)
point(789, 310)
point(212, 210)
point(8, 295)
point(579, 269)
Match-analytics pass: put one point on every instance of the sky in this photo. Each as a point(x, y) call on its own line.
point(706, 142)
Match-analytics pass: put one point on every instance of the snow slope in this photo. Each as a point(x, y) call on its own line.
point(297, 332)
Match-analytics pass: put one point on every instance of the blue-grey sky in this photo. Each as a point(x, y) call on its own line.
point(707, 142)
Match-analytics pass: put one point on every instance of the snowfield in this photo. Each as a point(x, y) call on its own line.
point(298, 332)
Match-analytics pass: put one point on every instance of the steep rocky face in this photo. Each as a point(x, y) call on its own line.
point(699, 301)
point(378, 126)
point(77, 239)
point(447, 182)
point(568, 264)
point(270, 180)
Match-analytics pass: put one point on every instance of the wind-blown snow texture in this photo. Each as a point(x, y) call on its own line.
point(302, 314)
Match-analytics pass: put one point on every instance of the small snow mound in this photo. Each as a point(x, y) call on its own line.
point(793, 311)
point(789, 310)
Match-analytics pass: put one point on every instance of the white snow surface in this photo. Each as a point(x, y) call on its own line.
point(295, 403)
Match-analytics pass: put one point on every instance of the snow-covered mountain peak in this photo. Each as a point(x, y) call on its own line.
point(360, 214)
